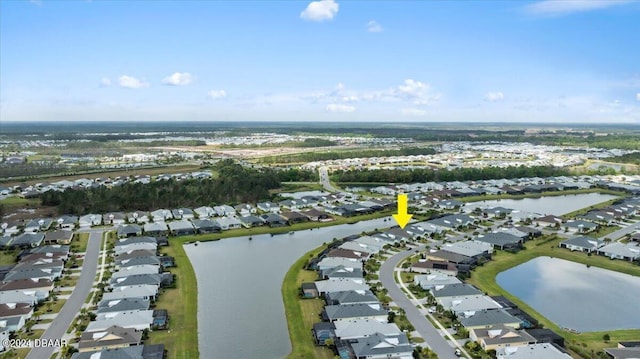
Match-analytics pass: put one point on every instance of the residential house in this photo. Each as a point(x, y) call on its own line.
point(463, 263)
point(317, 215)
point(341, 272)
point(224, 210)
point(20, 297)
point(500, 336)
point(90, 220)
point(161, 215)
point(488, 318)
point(114, 218)
point(138, 217)
point(182, 213)
point(156, 229)
point(351, 297)
point(500, 240)
point(549, 221)
point(580, 226)
point(226, 223)
point(333, 262)
point(334, 313)
point(143, 269)
point(245, 209)
point(66, 222)
point(9, 227)
point(434, 267)
point(471, 249)
point(27, 240)
point(544, 335)
point(39, 224)
point(340, 285)
point(205, 226)
point(361, 328)
point(204, 212)
point(138, 261)
point(599, 217)
point(461, 305)
point(123, 305)
point(58, 237)
point(119, 249)
point(114, 337)
point(453, 290)
point(273, 220)
point(39, 287)
point(431, 281)
point(61, 251)
point(137, 291)
point(348, 253)
point(269, 207)
point(625, 251)
point(138, 320)
point(181, 228)
point(582, 244)
point(251, 221)
point(531, 351)
point(293, 217)
point(380, 346)
point(129, 230)
point(12, 310)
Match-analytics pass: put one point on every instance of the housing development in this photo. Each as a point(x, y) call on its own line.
point(119, 281)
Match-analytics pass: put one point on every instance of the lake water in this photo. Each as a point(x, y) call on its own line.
point(556, 205)
point(240, 309)
point(574, 296)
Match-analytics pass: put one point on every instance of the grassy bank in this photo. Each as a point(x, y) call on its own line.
point(181, 340)
point(302, 313)
point(485, 278)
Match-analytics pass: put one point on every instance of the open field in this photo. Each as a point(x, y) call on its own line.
point(302, 313)
point(485, 279)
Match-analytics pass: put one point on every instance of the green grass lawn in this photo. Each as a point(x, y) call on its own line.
point(79, 242)
point(15, 201)
point(181, 340)
point(302, 313)
point(485, 278)
point(8, 257)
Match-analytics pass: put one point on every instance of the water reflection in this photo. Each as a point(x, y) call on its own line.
point(556, 205)
point(575, 296)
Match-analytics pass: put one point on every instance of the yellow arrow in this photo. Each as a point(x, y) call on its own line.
point(402, 217)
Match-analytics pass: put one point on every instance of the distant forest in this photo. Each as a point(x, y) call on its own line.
point(459, 174)
point(628, 158)
point(234, 184)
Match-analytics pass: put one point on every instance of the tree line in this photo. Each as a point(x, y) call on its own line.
point(234, 184)
point(458, 174)
point(335, 155)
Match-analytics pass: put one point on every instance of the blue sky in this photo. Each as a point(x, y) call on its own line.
point(328, 60)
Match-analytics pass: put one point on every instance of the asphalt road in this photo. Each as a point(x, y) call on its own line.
point(421, 324)
point(324, 180)
point(72, 306)
point(623, 231)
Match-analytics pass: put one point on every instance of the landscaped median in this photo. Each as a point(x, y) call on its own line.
point(484, 278)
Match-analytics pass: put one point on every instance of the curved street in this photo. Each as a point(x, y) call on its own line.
point(421, 324)
point(72, 306)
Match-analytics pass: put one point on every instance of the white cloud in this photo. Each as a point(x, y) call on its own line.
point(494, 96)
point(335, 107)
point(413, 112)
point(178, 79)
point(217, 94)
point(567, 7)
point(373, 26)
point(638, 96)
point(419, 93)
point(320, 10)
point(131, 82)
point(105, 82)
